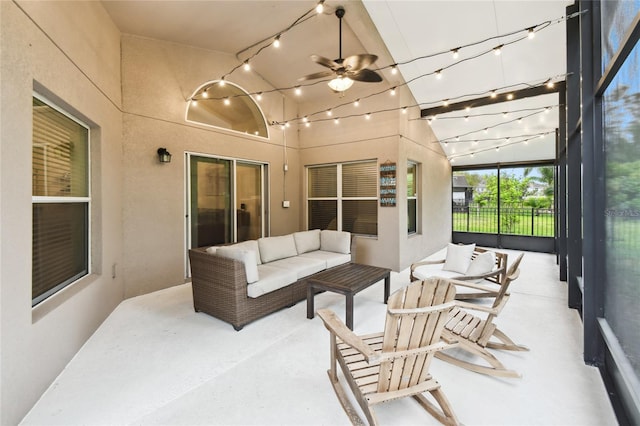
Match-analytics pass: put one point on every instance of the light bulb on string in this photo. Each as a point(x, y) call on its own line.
point(498, 49)
point(439, 74)
point(356, 102)
point(367, 116)
point(222, 82)
point(194, 102)
point(494, 93)
point(404, 110)
point(320, 7)
point(305, 119)
point(246, 66)
point(298, 90)
point(531, 33)
point(276, 42)
point(394, 69)
point(455, 53)
point(259, 96)
point(227, 101)
point(445, 102)
point(393, 92)
point(205, 94)
point(329, 112)
point(336, 121)
point(510, 96)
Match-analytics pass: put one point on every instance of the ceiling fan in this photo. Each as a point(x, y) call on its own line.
point(345, 70)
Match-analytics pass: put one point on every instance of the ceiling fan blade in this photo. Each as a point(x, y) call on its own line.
point(321, 60)
point(316, 75)
point(357, 62)
point(365, 75)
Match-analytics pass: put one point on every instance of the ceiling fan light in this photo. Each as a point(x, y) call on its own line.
point(340, 84)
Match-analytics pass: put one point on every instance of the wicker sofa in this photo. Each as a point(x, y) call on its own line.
point(246, 281)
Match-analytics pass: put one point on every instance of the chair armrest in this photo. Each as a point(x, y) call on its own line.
point(494, 273)
point(474, 307)
point(476, 286)
point(436, 347)
point(339, 329)
point(426, 262)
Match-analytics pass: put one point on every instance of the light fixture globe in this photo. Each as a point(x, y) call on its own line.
point(340, 84)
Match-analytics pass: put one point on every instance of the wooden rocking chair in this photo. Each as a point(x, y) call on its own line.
point(474, 334)
point(395, 364)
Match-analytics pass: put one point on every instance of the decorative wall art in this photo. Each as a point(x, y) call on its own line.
point(388, 184)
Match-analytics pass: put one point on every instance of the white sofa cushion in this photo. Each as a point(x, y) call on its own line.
point(248, 257)
point(303, 267)
point(307, 241)
point(271, 279)
point(458, 257)
point(330, 258)
point(248, 245)
point(335, 241)
point(427, 271)
point(483, 263)
point(274, 248)
point(211, 250)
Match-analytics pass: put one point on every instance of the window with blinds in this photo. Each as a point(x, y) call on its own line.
point(343, 197)
point(412, 197)
point(60, 198)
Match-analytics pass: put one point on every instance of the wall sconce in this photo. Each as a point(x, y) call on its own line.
point(163, 155)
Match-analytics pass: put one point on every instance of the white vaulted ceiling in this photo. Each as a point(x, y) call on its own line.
point(397, 31)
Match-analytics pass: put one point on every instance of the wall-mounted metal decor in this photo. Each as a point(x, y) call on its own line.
point(388, 184)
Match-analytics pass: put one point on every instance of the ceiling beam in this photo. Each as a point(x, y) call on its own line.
point(488, 100)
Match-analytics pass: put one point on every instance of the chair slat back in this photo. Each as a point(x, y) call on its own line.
point(421, 326)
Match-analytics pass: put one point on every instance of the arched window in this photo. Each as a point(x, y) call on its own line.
point(227, 106)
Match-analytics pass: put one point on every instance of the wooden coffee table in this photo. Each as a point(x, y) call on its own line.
point(347, 279)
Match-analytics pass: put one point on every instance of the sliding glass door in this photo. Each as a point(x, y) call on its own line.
point(226, 200)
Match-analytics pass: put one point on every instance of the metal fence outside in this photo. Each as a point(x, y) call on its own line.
point(513, 220)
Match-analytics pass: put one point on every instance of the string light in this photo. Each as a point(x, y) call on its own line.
point(259, 96)
point(393, 91)
point(305, 119)
point(367, 116)
point(356, 103)
point(404, 110)
point(494, 93)
point(510, 96)
point(222, 82)
point(531, 33)
point(274, 40)
point(445, 102)
point(298, 90)
point(335, 120)
point(498, 49)
point(227, 101)
point(205, 94)
point(194, 102)
point(247, 67)
point(439, 74)
point(394, 69)
point(329, 113)
point(524, 141)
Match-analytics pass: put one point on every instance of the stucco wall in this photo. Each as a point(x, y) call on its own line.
point(154, 116)
point(68, 52)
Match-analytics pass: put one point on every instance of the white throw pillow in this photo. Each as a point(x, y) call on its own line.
point(335, 241)
point(274, 248)
point(458, 257)
point(307, 241)
point(248, 257)
point(483, 263)
point(211, 250)
point(248, 245)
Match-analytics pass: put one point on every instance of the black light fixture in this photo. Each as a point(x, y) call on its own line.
point(163, 155)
